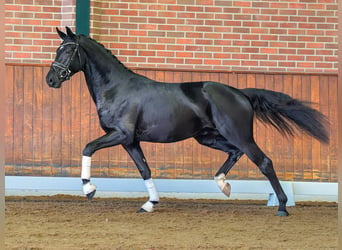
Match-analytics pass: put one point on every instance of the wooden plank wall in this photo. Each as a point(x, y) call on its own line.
point(48, 128)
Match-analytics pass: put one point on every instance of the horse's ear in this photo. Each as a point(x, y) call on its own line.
point(61, 34)
point(69, 32)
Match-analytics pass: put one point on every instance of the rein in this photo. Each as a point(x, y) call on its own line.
point(63, 70)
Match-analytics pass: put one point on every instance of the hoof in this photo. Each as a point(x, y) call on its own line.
point(147, 207)
point(141, 210)
point(282, 213)
point(222, 184)
point(89, 190)
point(226, 189)
point(91, 195)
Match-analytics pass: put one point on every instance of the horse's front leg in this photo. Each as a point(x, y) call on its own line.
point(108, 140)
point(89, 189)
point(134, 150)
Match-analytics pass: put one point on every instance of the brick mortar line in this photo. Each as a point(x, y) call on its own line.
point(194, 51)
point(228, 20)
point(197, 58)
point(223, 46)
point(193, 44)
point(213, 39)
point(216, 6)
point(201, 59)
point(239, 26)
point(167, 18)
point(214, 12)
point(197, 12)
point(230, 46)
point(235, 59)
point(237, 69)
point(215, 32)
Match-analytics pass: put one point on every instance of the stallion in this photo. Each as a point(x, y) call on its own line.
point(133, 108)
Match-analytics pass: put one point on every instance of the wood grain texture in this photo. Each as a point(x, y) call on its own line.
point(47, 130)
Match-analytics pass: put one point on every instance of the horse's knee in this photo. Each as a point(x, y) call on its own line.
point(88, 150)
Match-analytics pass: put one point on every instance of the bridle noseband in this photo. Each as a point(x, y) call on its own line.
point(63, 70)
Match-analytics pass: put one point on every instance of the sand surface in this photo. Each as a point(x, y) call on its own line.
point(71, 222)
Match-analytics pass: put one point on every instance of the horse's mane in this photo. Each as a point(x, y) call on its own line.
point(107, 51)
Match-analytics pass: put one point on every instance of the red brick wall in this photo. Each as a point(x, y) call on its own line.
point(30, 28)
point(293, 35)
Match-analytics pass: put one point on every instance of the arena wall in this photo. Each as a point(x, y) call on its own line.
point(288, 46)
point(48, 128)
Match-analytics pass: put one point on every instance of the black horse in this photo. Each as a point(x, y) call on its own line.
point(134, 108)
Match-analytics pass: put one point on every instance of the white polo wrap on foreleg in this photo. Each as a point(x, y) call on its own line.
point(222, 184)
point(86, 164)
point(151, 189)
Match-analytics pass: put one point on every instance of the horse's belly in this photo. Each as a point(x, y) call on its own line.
point(168, 131)
point(161, 136)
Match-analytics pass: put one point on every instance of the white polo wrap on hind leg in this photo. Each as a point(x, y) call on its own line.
point(151, 189)
point(222, 184)
point(148, 206)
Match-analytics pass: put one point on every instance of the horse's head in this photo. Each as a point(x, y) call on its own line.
point(68, 59)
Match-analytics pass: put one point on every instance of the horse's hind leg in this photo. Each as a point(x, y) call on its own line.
point(251, 149)
point(220, 143)
point(220, 176)
point(266, 167)
point(233, 118)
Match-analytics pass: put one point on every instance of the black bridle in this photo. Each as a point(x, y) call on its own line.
point(63, 70)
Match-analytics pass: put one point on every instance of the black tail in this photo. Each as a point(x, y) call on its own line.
point(285, 113)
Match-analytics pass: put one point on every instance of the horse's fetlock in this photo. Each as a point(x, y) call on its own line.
point(88, 188)
point(85, 181)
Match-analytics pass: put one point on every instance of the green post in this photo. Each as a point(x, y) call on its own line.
point(82, 17)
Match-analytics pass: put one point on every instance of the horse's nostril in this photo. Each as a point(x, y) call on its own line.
point(49, 81)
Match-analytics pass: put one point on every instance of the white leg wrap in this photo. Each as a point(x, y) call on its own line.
point(86, 164)
point(88, 188)
point(222, 184)
point(148, 206)
point(152, 191)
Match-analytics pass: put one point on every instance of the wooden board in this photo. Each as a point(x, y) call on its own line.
point(47, 130)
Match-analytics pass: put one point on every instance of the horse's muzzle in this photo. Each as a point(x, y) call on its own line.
point(52, 80)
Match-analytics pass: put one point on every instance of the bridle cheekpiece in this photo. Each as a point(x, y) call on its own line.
point(63, 70)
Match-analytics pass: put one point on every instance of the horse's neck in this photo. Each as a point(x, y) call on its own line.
point(102, 71)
